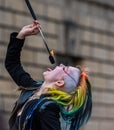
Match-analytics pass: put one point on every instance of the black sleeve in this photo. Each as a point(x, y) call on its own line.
point(13, 64)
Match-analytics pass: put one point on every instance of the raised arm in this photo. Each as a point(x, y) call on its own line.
point(12, 61)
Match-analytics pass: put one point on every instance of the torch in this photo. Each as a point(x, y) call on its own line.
point(51, 53)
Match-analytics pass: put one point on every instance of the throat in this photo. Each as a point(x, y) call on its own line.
point(43, 90)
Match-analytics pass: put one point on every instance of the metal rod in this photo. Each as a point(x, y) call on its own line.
point(41, 33)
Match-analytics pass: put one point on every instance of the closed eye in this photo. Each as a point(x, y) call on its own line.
point(66, 72)
point(66, 68)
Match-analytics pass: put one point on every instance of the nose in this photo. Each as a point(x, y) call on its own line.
point(61, 65)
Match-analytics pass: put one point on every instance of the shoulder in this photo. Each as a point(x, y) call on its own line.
point(27, 92)
point(49, 105)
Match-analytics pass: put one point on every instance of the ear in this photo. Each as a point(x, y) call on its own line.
point(60, 83)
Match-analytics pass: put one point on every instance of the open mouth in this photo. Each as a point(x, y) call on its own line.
point(49, 69)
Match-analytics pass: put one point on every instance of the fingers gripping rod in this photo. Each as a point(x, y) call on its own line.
point(51, 58)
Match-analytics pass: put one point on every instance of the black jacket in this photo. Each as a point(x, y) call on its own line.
point(46, 117)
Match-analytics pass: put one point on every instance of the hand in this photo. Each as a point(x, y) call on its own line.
point(29, 30)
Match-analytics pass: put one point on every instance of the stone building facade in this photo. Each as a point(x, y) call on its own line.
point(80, 32)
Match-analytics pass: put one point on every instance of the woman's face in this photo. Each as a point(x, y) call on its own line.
point(55, 74)
point(59, 73)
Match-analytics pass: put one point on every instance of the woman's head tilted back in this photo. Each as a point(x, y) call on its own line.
point(72, 93)
point(62, 77)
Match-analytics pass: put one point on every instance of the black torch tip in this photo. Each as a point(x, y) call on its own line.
point(51, 58)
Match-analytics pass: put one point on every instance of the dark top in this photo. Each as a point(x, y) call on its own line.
point(46, 116)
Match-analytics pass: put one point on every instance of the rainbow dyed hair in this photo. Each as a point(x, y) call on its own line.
point(76, 107)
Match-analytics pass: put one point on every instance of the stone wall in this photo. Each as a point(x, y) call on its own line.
point(80, 32)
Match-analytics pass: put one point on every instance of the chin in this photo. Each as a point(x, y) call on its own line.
point(45, 73)
point(45, 76)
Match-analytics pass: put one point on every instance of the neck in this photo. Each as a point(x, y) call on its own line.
point(44, 88)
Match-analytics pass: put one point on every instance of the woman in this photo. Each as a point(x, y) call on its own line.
point(65, 91)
